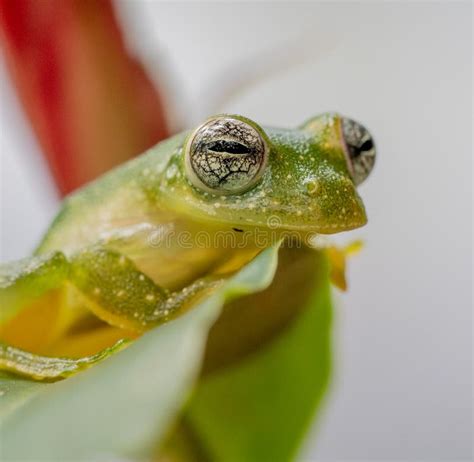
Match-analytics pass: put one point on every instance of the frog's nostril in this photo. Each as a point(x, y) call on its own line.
point(312, 187)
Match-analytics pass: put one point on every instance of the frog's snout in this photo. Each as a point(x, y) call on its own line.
point(333, 206)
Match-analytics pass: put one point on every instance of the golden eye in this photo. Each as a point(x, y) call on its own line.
point(360, 149)
point(225, 156)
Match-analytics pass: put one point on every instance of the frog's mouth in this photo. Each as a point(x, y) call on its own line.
point(318, 216)
point(312, 222)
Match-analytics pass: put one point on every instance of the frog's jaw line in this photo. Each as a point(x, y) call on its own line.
point(329, 217)
point(276, 221)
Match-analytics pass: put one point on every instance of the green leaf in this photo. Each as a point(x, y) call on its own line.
point(14, 392)
point(25, 280)
point(49, 368)
point(124, 406)
point(260, 408)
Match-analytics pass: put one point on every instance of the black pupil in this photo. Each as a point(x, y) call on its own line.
point(356, 151)
point(367, 145)
point(231, 147)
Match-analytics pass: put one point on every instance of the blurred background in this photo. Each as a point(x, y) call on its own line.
point(402, 384)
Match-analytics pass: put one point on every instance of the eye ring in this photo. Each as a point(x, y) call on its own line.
point(225, 155)
point(360, 149)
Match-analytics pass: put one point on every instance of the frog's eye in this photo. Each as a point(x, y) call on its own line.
point(360, 149)
point(225, 156)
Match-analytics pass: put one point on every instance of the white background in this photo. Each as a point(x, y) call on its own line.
point(403, 334)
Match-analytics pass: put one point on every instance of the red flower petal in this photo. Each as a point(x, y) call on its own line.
point(91, 104)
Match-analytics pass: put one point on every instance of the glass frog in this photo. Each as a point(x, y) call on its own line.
point(141, 244)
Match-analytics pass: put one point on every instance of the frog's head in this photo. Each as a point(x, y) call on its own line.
point(234, 172)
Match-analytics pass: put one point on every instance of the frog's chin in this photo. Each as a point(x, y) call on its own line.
point(336, 227)
point(311, 230)
point(301, 228)
point(307, 224)
point(278, 219)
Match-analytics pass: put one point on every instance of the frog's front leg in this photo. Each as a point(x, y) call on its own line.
point(109, 283)
point(116, 291)
point(122, 295)
point(105, 281)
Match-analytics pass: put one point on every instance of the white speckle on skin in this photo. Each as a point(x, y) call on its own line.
point(150, 297)
point(120, 293)
point(171, 172)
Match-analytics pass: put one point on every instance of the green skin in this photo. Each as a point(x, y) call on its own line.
point(306, 185)
point(131, 242)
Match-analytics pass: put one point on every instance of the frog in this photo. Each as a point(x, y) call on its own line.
point(142, 244)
